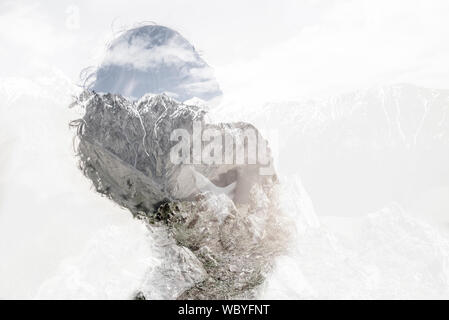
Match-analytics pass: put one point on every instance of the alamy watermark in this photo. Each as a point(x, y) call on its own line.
point(216, 146)
point(72, 21)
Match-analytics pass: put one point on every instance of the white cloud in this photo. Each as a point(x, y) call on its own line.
point(357, 44)
point(139, 56)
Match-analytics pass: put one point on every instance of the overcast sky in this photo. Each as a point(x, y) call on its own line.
point(269, 49)
point(261, 51)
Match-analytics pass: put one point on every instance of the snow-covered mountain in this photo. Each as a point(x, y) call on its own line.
point(358, 151)
point(61, 240)
point(48, 215)
point(155, 59)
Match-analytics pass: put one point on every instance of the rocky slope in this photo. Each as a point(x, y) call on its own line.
point(223, 219)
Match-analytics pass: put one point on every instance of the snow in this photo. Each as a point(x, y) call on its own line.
point(62, 240)
point(382, 255)
point(55, 232)
point(360, 231)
